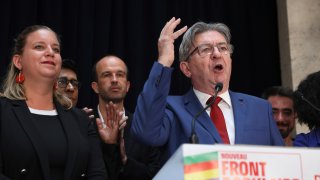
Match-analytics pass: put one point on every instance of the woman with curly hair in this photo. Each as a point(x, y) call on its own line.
point(307, 103)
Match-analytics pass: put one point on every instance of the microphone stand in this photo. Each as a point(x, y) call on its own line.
point(194, 139)
point(307, 101)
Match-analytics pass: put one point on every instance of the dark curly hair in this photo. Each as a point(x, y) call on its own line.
point(307, 101)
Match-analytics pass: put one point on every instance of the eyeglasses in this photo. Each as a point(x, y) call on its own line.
point(207, 49)
point(63, 82)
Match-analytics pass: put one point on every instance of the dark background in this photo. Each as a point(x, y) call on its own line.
point(91, 29)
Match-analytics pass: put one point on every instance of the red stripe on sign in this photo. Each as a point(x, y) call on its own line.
point(200, 166)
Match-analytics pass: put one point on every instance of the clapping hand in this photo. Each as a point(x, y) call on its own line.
point(114, 121)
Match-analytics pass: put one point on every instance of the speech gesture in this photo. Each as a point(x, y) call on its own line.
point(166, 41)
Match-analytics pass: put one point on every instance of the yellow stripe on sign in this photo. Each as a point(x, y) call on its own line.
point(208, 174)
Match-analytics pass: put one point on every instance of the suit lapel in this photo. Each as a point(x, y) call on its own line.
point(68, 123)
point(24, 117)
point(193, 105)
point(240, 114)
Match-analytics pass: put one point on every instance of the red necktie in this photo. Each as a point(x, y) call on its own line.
point(218, 120)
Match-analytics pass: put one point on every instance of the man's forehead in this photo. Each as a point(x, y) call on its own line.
point(113, 70)
point(111, 65)
point(210, 37)
point(281, 102)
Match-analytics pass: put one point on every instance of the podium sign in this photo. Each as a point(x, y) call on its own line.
point(240, 162)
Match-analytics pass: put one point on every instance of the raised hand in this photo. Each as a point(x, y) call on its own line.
point(166, 40)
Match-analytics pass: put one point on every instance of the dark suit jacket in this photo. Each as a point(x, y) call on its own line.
point(162, 120)
point(143, 161)
point(22, 151)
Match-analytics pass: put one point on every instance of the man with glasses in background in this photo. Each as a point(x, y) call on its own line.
point(205, 57)
point(68, 83)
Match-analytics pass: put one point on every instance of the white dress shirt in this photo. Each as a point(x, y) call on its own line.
point(226, 108)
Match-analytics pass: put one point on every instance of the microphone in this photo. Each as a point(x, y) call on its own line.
point(307, 101)
point(194, 138)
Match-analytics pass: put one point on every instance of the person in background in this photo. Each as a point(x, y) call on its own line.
point(130, 159)
point(281, 99)
point(42, 135)
point(307, 105)
point(205, 58)
point(69, 85)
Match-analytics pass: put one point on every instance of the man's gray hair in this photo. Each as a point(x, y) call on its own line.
point(197, 28)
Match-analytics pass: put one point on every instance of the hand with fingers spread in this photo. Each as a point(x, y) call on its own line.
point(109, 130)
point(166, 40)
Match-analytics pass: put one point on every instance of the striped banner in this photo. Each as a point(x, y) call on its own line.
point(201, 166)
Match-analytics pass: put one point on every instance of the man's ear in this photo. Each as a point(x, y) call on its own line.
point(16, 59)
point(184, 67)
point(94, 87)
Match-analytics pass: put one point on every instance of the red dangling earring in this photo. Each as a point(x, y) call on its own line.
point(20, 78)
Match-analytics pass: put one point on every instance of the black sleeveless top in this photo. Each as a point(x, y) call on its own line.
point(54, 139)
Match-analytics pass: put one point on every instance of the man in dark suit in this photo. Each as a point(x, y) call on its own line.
point(205, 58)
point(125, 158)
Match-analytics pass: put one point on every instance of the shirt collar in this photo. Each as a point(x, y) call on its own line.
point(203, 97)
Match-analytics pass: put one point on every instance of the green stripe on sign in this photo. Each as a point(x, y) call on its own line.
point(200, 158)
